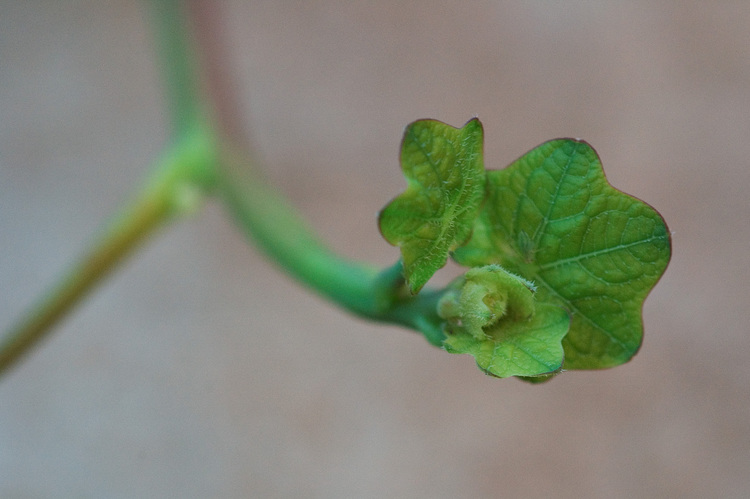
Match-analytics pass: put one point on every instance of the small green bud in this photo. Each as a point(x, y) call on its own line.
point(483, 297)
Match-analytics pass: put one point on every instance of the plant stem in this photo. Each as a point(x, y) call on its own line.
point(270, 222)
point(276, 228)
point(179, 63)
point(142, 218)
point(169, 192)
point(196, 166)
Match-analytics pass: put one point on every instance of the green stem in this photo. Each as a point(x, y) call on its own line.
point(271, 223)
point(265, 216)
point(277, 229)
point(172, 190)
point(143, 217)
point(179, 63)
point(195, 166)
point(177, 184)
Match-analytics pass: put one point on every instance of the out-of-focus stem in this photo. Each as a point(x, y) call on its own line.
point(271, 222)
point(168, 193)
point(179, 63)
point(206, 160)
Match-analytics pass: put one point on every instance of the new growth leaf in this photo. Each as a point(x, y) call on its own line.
point(445, 186)
point(553, 218)
point(561, 261)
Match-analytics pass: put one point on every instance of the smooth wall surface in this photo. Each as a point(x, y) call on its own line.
point(199, 370)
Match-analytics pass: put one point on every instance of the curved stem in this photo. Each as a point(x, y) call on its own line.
point(195, 166)
point(276, 228)
point(271, 223)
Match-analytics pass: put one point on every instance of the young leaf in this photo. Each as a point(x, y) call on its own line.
point(529, 348)
point(553, 218)
point(445, 186)
point(492, 315)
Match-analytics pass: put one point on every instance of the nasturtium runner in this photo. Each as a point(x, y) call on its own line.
point(553, 218)
point(445, 186)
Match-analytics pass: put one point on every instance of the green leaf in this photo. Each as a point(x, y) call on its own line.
point(492, 315)
point(445, 177)
point(553, 218)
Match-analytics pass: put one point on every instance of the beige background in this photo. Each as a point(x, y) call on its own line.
point(200, 371)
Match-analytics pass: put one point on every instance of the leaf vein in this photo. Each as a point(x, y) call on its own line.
point(569, 304)
point(592, 254)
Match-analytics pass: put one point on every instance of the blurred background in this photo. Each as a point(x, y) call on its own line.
point(199, 370)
